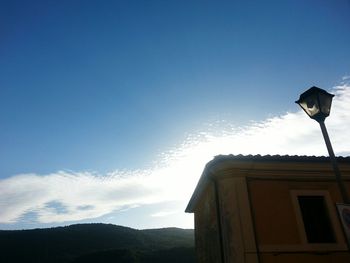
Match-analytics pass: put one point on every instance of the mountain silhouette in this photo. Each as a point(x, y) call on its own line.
point(96, 243)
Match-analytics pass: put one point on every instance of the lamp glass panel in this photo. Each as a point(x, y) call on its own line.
point(310, 105)
point(325, 103)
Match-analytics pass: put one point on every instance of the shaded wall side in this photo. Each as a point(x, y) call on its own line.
point(237, 226)
point(206, 228)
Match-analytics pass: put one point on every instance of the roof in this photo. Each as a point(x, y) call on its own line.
point(251, 159)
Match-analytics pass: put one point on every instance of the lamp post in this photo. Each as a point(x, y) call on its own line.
point(317, 103)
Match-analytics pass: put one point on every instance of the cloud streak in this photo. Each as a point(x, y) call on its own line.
point(73, 196)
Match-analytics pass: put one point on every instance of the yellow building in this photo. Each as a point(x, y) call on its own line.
point(269, 209)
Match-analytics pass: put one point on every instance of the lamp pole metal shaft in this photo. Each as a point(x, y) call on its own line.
point(338, 177)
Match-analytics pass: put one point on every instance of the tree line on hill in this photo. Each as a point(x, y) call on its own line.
point(97, 243)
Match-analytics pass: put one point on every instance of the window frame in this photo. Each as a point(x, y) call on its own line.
point(333, 218)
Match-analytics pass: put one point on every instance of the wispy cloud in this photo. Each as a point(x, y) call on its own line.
point(165, 213)
point(69, 196)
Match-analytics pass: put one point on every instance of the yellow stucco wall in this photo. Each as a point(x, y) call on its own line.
point(333, 257)
point(279, 235)
point(258, 215)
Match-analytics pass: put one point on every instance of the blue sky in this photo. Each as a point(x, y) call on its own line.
point(128, 92)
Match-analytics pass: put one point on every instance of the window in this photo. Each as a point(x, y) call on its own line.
point(315, 216)
point(317, 221)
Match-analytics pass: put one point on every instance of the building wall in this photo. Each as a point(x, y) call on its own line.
point(259, 217)
point(206, 228)
point(279, 228)
point(237, 226)
point(236, 222)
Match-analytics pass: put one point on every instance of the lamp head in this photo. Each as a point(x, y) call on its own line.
point(316, 103)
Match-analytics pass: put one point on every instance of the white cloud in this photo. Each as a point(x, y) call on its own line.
point(165, 213)
point(69, 196)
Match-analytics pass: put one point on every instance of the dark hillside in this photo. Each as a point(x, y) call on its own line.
point(66, 244)
point(170, 237)
point(171, 255)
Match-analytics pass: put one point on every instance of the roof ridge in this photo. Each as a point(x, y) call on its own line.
point(277, 156)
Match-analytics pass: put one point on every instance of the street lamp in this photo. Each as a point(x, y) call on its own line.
point(317, 103)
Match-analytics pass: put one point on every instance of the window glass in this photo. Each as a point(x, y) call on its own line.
point(316, 219)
